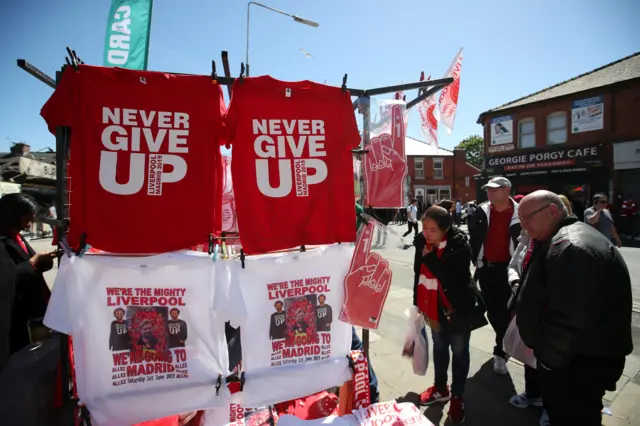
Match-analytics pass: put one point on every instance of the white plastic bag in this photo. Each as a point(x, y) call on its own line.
point(515, 347)
point(416, 342)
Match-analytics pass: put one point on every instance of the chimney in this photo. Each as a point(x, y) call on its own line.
point(459, 170)
point(460, 157)
point(19, 149)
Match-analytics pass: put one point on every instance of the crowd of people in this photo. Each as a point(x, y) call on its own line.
point(561, 279)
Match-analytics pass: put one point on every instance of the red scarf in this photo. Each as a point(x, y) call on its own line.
point(429, 288)
point(527, 256)
point(21, 243)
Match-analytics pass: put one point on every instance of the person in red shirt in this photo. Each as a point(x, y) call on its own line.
point(494, 230)
point(31, 293)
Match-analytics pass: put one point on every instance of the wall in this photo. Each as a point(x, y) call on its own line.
point(455, 169)
point(626, 110)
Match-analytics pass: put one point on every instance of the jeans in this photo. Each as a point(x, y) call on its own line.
point(412, 226)
point(494, 284)
point(459, 344)
point(356, 345)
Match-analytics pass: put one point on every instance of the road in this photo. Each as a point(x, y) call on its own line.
point(632, 257)
point(486, 394)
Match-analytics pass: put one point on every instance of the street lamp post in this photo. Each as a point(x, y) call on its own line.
point(294, 17)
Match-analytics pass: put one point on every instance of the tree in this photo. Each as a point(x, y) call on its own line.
point(474, 145)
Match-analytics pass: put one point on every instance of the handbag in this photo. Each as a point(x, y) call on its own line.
point(472, 318)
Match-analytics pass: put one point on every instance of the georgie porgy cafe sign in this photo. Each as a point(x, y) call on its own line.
point(556, 158)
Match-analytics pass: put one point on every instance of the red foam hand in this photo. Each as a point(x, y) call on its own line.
point(366, 284)
point(386, 165)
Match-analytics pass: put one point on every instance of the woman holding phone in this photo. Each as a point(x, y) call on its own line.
point(31, 293)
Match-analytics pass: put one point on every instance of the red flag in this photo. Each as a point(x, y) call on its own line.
point(449, 95)
point(429, 124)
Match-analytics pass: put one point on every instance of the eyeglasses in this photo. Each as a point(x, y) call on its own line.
point(602, 202)
point(528, 217)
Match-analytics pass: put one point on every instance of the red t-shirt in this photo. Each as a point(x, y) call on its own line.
point(146, 157)
point(292, 164)
point(496, 243)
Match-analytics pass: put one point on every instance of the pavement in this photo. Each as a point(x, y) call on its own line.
point(487, 394)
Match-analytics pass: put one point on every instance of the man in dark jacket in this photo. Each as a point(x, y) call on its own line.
point(494, 230)
point(573, 310)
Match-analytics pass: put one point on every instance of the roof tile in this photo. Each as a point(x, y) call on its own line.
point(623, 69)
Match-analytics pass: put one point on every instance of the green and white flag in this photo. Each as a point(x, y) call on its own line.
point(128, 28)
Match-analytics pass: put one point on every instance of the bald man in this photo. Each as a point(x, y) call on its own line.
point(574, 310)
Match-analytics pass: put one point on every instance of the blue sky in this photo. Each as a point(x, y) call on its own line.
point(511, 48)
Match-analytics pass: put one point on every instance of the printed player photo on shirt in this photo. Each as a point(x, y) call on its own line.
point(294, 321)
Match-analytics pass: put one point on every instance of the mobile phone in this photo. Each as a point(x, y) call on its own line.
point(38, 332)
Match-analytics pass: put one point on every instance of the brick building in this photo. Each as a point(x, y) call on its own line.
point(437, 174)
point(577, 138)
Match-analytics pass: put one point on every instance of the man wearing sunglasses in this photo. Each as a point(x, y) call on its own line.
point(601, 218)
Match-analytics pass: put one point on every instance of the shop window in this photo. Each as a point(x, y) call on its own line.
point(445, 194)
point(557, 128)
point(418, 166)
point(438, 172)
point(527, 133)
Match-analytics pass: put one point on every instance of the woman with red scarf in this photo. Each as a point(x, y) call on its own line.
point(445, 294)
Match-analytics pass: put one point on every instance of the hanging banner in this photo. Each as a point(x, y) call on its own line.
point(428, 122)
point(367, 283)
point(128, 29)
point(229, 221)
point(385, 165)
point(449, 95)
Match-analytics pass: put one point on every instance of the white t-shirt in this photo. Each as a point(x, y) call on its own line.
point(148, 332)
point(391, 413)
point(236, 415)
point(412, 213)
point(289, 420)
point(293, 343)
